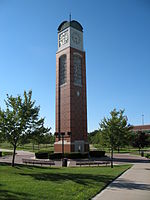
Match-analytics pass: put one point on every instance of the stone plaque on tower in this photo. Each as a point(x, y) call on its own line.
point(71, 104)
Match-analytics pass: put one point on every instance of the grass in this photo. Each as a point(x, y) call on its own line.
point(33, 183)
point(131, 150)
point(7, 153)
point(6, 145)
point(29, 147)
point(50, 147)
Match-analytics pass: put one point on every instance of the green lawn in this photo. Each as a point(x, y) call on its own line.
point(7, 153)
point(128, 149)
point(29, 147)
point(27, 182)
point(50, 147)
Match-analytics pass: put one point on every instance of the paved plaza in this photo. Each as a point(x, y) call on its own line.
point(19, 156)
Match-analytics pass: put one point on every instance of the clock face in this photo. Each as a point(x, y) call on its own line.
point(63, 38)
point(76, 38)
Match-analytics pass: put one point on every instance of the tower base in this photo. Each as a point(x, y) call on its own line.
point(68, 147)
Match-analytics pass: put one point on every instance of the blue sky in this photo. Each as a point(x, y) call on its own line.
point(117, 45)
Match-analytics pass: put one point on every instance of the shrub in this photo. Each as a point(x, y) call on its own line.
point(75, 155)
point(7, 153)
point(44, 151)
point(148, 155)
point(50, 155)
point(55, 156)
point(42, 155)
point(97, 153)
point(72, 155)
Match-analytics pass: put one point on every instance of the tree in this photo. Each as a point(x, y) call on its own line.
point(140, 139)
point(24, 139)
point(93, 137)
point(96, 139)
point(18, 119)
point(115, 130)
point(37, 131)
point(1, 137)
point(48, 139)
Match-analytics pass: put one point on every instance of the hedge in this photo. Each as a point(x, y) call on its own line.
point(41, 155)
point(72, 155)
point(75, 155)
point(147, 155)
point(97, 153)
point(46, 155)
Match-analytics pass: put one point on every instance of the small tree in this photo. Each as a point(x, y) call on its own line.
point(93, 137)
point(17, 120)
point(115, 130)
point(24, 139)
point(1, 137)
point(48, 139)
point(140, 140)
point(37, 131)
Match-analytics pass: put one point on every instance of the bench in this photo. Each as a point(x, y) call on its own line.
point(89, 163)
point(39, 162)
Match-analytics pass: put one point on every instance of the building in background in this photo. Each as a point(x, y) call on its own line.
point(144, 128)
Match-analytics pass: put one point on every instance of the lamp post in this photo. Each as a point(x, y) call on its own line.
point(69, 136)
point(62, 138)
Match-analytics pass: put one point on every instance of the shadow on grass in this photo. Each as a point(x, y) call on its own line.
point(10, 195)
point(5, 164)
point(84, 179)
point(21, 166)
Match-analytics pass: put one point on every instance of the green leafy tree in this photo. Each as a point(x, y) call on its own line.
point(93, 137)
point(18, 119)
point(96, 139)
point(24, 139)
point(1, 137)
point(49, 138)
point(37, 131)
point(115, 130)
point(140, 140)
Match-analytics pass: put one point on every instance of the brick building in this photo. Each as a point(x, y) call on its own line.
point(145, 128)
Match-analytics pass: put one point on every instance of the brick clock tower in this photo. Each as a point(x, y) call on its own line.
point(71, 105)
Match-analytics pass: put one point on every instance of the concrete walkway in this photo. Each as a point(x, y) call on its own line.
point(18, 158)
point(134, 184)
